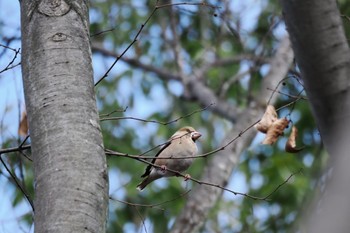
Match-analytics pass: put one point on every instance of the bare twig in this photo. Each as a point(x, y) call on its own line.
point(14, 149)
point(153, 205)
point(283, 183)
point(102, 32)
point(140, 156)
point(10, 64)
point(289, 95)
point(158, 122)
point(24, 141)
point(16, 181)
point(219, 186)
point(142, 27)
point(114, 111)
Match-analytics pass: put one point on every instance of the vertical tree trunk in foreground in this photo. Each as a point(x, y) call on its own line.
point(71, 184)
point(322, 53)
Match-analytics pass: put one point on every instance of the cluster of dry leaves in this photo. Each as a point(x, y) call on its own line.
point(23, 125)
point(273, 127)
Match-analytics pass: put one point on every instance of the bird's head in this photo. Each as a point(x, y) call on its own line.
point(187, 130)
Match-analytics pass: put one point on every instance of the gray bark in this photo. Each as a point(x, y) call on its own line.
point(221, 166)
point(71, 182)
point(323, 56)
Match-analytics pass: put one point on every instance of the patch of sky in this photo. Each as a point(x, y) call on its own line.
point(155, 31)
point(125, 11)
point(9, 214)
point(237, 183)
point(226, 46)
point(12, 94)
point(254, 165)
point(256, 181)
point(280, 31)
point(295, 116)
point(142, 10)
point(146, 131)
point(95, 15)
point(308, 138)
point(248, 12)
point(316, 136)
point(130, 227)
point(119, 179)
point(185, 21)
point(175, 88)
point(244, 67)
point(124, 91)
point(281, 142)
point(264, 69)
point(274, 209)
point(308, 160)
point(290, 217)
point(261, 212)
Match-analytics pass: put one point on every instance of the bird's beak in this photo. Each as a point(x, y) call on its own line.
point(196, 135)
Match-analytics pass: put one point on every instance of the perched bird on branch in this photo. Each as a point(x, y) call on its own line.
point(180, 145)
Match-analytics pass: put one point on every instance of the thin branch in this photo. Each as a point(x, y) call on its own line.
point(142, 27)
point(24, 141)
point(10, 65)
point(16, 181)
point(102, 32)
point(97, 47)
point(142, 219)
point(283, 183)
point(346, 17)
point(14, 149)
point(291, 103)
point(289, 95)
point(158, 122)
point(140, 156)
point(219, 186)
point(153, 205)
point(114, 111)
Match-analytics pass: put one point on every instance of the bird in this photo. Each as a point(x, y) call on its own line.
point(180, 145)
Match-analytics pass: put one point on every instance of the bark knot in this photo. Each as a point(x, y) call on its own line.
point(59, 37)
point(53, 7)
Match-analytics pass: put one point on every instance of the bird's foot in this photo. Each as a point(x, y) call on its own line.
point(163, 168)
point(187, 177)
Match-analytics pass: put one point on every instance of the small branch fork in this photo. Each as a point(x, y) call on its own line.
point(10, 65)
point(20, 148)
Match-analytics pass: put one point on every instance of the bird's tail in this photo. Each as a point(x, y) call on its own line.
point(144, 183)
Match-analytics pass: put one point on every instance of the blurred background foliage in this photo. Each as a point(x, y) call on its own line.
point(229, 48)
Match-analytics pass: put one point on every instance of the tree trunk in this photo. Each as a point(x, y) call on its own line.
point(71, 180)
point(323, 56)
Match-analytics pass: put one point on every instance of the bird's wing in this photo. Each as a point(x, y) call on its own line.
point(149, 167)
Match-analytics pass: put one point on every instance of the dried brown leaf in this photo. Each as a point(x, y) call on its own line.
point(275, 130)
point(291, 143)
point(269, 117)
point(23, 125)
